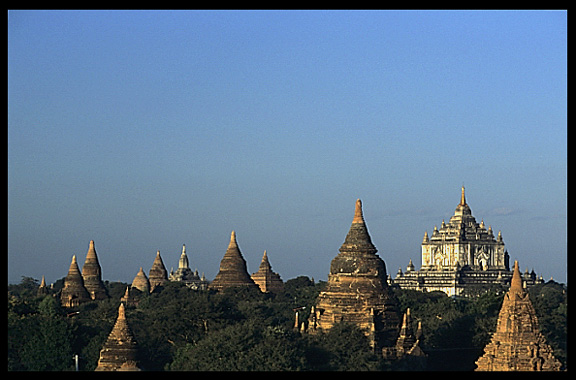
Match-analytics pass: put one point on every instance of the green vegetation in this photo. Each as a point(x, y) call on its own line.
point(181, 329)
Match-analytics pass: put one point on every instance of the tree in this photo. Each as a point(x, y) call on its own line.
point(242, 347)
point(344, 347)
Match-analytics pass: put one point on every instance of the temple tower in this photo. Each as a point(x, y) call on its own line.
point(517, 344)
point(268, 280)
point(233, 271)
point(92, 275)
point(461, 258)
point(357, 290)
point(120, 350)
point(158, 274)
point(183, 273)
point(464, 242)
point(74, 293)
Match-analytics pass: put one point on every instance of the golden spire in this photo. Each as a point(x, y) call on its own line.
point(358, 217)
point(463, 198)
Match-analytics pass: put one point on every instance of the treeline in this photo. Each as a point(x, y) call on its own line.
point(181, 329)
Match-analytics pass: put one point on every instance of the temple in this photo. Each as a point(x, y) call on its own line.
point(357, 292)
point(74, 293)
point(92, 275)
point(461, 258)
point(517, 344)
point(141, 282)
point(158, 274)
point(120, 350)
point(184, 274)
point(268, 280)
point(42, 289)
point(233, 271)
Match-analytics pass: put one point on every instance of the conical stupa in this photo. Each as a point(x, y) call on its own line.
point(233, 272)
point(517, 344)
point(158, 274)
point(120, 350)
point(266, 279)
point(92, 275)
point(141, 282)
point(357, 290)
point(74, 293)
point(42, 289)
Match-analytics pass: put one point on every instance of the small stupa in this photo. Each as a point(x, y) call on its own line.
point(74, 293)
point(517, 344)
point(158, 274)
point(233, 271)
point(42, 289)
point(268, 280)
point(141, 282)
point(92, 275)
point(120, 350)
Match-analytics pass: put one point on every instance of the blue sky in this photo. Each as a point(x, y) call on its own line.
point(146, 130)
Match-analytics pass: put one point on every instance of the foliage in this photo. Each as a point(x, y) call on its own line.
point(245, 346)
point(39, 338)
point(550, 300)
point(241, 329)
point(343, 348)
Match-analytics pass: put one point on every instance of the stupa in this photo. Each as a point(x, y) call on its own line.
point(268, 280)
point(158, 274)
point(141, 282)
point(233, 272)
point(357, 290)
point(92, 275)
point(42, 289)
point(74, 293)
point(517, 344)
point(120, 350)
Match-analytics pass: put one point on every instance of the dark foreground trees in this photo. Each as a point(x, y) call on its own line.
point(181, 329)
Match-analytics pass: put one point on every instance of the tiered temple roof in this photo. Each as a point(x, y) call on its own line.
point(357, 290)
point(120, 350)
point(74, 293)
point(233, 271)
point(517, 344)
point(92, 275)
point(268, 280)
point(462, 257)
point(158, 274)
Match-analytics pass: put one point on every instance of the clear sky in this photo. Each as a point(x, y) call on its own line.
point(146, 130)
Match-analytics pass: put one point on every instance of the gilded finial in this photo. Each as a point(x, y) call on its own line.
point(463, 197)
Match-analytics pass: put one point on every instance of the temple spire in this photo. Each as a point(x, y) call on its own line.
point(463, 198)
point(358, 238)
point(358, 216)
point(233, 242)
point(233, 271)
point(516, 283)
